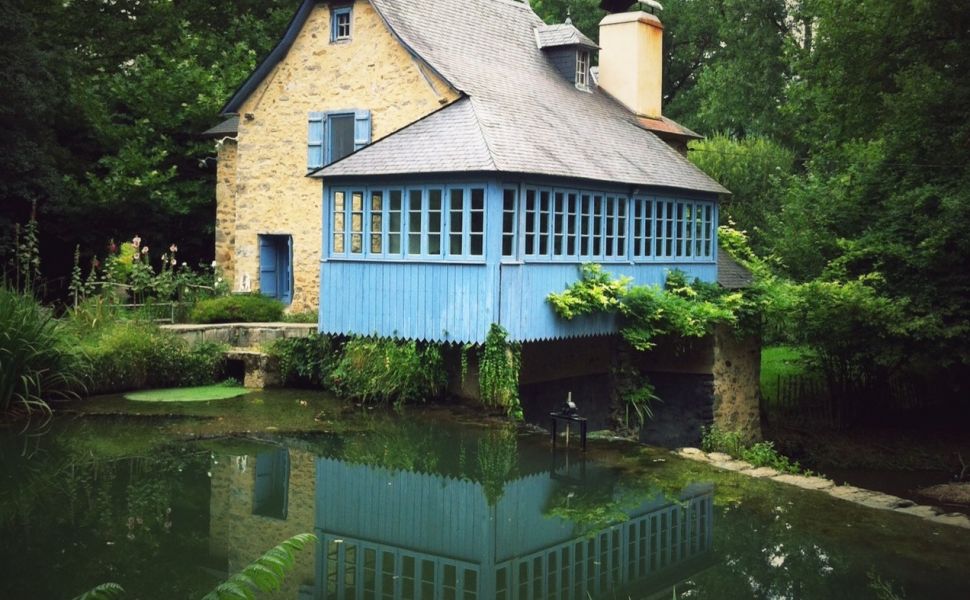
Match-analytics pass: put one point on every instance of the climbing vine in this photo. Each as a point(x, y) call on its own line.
point(686, 309)
point(498, 371)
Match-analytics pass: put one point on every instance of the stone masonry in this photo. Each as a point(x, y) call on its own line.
point(272, 193)
point(226, 207)
point(737, 382)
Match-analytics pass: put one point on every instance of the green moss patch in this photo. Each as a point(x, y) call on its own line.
point(189, 394)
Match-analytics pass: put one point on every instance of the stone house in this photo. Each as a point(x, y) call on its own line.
point(423, 169)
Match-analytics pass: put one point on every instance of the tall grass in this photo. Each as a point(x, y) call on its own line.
point(39, 360)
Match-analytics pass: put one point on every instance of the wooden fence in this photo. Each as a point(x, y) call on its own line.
point(812, 400)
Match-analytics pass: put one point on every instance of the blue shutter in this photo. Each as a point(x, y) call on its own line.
point(268, 267)
point(315, 139)
point(361, 129)
point(286, 271)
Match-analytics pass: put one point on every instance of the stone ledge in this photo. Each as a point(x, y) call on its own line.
point(849, 493)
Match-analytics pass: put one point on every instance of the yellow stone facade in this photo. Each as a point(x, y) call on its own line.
point(372, 71)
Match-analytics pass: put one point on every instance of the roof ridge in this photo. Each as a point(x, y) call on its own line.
point(481, 130)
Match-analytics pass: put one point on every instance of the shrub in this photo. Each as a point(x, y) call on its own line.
point(387, 370)
point(131, 355)
point(306, 361)
point(238, 308)
point(759, 454)
point(38, 357)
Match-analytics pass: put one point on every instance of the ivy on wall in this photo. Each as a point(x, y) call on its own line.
point(498, 371)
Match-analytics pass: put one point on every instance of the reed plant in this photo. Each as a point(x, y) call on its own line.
point(39, 360)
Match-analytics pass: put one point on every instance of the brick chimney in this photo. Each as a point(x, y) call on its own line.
point(631, 60)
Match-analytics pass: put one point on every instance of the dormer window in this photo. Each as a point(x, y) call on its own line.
point(582, 70)
point(340, 24)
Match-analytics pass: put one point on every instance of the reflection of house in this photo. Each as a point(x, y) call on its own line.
point(399, 534)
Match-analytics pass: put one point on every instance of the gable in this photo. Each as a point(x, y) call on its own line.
point(296, 63)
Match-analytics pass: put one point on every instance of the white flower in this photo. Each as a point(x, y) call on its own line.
point(214, 264)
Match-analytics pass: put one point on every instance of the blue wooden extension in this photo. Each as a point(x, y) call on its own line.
point(442, 262)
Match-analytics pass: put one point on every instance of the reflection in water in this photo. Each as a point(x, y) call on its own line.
point(494, 526)
point(409, 507)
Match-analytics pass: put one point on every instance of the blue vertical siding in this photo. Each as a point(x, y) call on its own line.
point(441, 302)
point(439, 297)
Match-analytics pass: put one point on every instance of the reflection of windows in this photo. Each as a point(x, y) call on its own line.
point(340, 24)
point(272, 483)
point(435, 222)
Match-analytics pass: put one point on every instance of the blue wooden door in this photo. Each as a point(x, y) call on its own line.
point(275, 267)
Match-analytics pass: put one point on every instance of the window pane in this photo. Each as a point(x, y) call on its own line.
point(434, 221)
point(456, 221)
point(597, 226)
point(376, 222)
point(508, 222)
point(341, 136)
point(415, 203)
point(356, 222)
point(530, 222)
point(545, 208)
point(571, 225)
point(394, 222)
point(339, 203)
point(477, 232)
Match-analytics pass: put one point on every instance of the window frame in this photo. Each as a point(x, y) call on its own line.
point(320, 134)
point(582, 69)
point(336, 13)
point(405, 215)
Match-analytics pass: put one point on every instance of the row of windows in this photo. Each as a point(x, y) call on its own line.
point(568, 225)
point(432, 222)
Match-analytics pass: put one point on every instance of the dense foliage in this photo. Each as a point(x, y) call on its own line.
point(127, 352)
point(307, 361)
point(843, 129)
point(386, 370)
point(680, 308)
point(238, 308)
point(101, 104)
point(498, 371)
point(39, 359)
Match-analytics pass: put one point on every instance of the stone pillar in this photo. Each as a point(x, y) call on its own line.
point(226, 208)
point(737, 382)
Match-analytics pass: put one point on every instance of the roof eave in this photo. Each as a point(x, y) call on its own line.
point(267, 65)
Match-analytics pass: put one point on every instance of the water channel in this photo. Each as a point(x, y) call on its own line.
point(433, 503)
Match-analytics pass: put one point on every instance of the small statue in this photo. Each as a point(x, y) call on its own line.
point(570, 409)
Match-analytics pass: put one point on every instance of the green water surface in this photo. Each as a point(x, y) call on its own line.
point(432, 503)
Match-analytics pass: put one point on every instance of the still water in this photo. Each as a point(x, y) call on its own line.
point(428, 504)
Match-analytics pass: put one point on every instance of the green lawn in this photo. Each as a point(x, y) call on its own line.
point(781, 360)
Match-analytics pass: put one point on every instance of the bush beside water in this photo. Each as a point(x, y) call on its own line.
point(38, 356)
point(306, 361)
point(372, 369)
point(238, 308)
point(129, 355)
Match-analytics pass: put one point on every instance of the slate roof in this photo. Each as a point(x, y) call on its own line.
point(530, 119)
point(562, 34)
point(227, 128)
point(730, 274)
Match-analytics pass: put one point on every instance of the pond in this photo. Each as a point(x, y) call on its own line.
point(432, 503)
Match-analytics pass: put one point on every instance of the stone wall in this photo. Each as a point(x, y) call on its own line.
point(737, 382)
point(274, 196)
point(226, 207)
